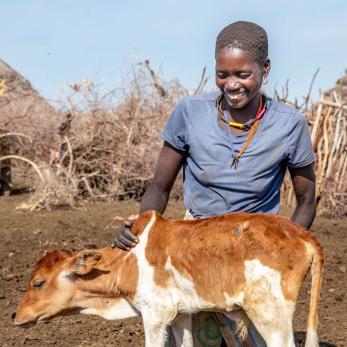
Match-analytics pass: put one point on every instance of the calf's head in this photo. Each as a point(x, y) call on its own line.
point(53, 287)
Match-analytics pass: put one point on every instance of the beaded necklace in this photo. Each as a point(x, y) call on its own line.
point(252, 126)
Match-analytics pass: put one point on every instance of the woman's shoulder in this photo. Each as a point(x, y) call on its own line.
point(285, 110)
point(200, 98)
point(197, 104)
point(286, 115)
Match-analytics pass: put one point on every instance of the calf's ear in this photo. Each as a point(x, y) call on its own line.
point(84, 261)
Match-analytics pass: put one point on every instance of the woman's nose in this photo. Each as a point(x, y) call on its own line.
point(232, 83)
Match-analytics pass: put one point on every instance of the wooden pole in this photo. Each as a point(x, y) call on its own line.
point(5, 166)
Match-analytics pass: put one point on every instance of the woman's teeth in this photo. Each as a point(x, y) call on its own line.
point(235, 96)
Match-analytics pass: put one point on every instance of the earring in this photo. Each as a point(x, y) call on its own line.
point(265, 80)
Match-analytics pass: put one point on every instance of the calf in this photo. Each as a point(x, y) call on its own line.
point(237, 261)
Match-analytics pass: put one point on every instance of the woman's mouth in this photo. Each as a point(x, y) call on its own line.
point(235, 96)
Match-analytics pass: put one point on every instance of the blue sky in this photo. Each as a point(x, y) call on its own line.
point(54, 43)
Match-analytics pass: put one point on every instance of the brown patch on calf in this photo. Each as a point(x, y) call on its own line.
point(140, 223)
point(203, 251)
point(50, 259)
point(128, 276)
point(115, 273)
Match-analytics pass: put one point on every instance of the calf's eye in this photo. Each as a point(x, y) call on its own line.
point(38, 283)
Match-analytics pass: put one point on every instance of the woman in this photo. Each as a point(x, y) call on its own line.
point(234, 145)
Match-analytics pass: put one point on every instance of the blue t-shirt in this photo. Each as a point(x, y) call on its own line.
point(211, 185)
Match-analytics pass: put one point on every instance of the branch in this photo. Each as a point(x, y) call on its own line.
point(202, 82)
point(70, 153)
point(161, 90)
point(6, 157)
point(307, 97)
point(16, 134)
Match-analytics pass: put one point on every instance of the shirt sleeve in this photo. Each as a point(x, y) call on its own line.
point(175, 131)
point(300, 151)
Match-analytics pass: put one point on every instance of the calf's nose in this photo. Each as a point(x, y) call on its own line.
point(13, 317)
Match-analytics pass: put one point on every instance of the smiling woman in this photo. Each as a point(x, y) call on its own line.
point(241, 65)
point(235, 146)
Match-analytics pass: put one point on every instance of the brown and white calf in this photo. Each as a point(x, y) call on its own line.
point(237, 261)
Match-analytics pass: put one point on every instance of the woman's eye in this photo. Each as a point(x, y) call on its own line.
point(244, 75)
point(222, 75)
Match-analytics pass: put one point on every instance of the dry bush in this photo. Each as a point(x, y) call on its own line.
point(55, 189)
point(27, 123)
point(103, 145)
point(109, 142)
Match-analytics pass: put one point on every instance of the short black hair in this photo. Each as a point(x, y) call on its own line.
point(247, 36)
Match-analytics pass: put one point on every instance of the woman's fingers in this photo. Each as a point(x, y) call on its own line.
point(125, 239)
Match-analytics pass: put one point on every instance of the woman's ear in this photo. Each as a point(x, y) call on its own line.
point(266, 67)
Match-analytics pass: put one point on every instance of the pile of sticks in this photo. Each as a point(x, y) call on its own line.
point(327, 120)
point(27, 129)
point(103, 146)
point(109, 143)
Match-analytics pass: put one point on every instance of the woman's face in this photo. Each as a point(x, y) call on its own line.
point(238, 76)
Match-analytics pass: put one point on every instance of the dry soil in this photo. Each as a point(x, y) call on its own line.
point(26, 235)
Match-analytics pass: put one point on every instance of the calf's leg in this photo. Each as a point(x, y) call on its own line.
point(155, 324)
point(182, 330)
point(274, 322)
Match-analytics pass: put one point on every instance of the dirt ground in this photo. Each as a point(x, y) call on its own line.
point(26, 235)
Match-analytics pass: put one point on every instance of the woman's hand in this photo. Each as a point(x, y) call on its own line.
point(156, 197)
point(125, 239)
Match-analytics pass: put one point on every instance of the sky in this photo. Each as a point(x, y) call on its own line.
point(56, 43)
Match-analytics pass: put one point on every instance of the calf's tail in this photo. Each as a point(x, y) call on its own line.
point(316, 282)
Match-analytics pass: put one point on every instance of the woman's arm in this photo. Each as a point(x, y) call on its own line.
point(304, 183)
point(157, 194)
point(168, 166)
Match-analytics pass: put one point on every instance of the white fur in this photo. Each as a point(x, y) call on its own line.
point(147, 292)
point(255, 271)
point(159, 306)
point(156, 307)
point(266, 306)
point(115, 309)
point(311, 339)
point(183, 291)
point(231, 302)
point(118, 309)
